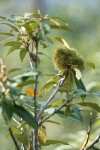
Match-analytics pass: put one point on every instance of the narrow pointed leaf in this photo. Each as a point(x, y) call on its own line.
point(80, 85)
point(7, 34)
point(61, 40)
point(13, 70)
point(50, 142)
point(90, 104)
point(91, 64)
point(13, 43)
point(23, 53)
point(12, 26)
point(25, 115)
point(12, 49)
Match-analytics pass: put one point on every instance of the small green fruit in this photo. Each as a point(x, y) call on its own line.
point(63, 57)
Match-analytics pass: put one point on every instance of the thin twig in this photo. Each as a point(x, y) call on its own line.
point(66, 104)
point(35, 100)
point(14, 140)
point(35, 137)
point(88, 133)
point(53, 95)
point(96, 141)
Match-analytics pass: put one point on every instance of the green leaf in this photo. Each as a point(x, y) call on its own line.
point(7, 109)
point(25, 83)
point(2, 17)
point(95, 148)
point(60, 27)
point(25, 115)
point(49, 142)
point(80, 92)
point(54, 21)
point(12, 49)
point(61, 40)
point(22, 138)
point(80, 85)
point(49, 84)
point(58, 18)
point(67, 111)
point(42, 136)
point(12, 26)
point(50, 121)
point(13, 43)
point(13, 70)
point(91, 64)
point(90, 104)
point(22, 54)
point(58, 103)
point(6, 33)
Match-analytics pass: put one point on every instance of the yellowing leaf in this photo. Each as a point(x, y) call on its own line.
point(31, 93)
point(78, 73)
point(42, 136)
point(61, 40)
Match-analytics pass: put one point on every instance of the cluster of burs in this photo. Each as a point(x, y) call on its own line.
point(63, 57)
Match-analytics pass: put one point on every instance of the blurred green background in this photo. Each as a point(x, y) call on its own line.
point(83, 17)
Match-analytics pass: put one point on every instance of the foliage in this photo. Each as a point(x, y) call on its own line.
point(24, 107)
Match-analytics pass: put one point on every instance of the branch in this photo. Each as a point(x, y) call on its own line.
point(53, 95)
point(66, 104)
point(14, 140)
point(96, 141)
point(31, 60)
point(88, 133)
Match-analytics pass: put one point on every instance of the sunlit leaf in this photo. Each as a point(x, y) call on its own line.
point(42, 136)
point(61, 40)
point(25, 115)
point(78, 73)
point(90, 104)
point(31, 93)
point(47, 86)
point(58, 103)
point(91, 64)
point(54, 21)
point(60, 27)
point(50, 142)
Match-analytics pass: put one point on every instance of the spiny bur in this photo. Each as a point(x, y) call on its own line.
point(63, 57)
